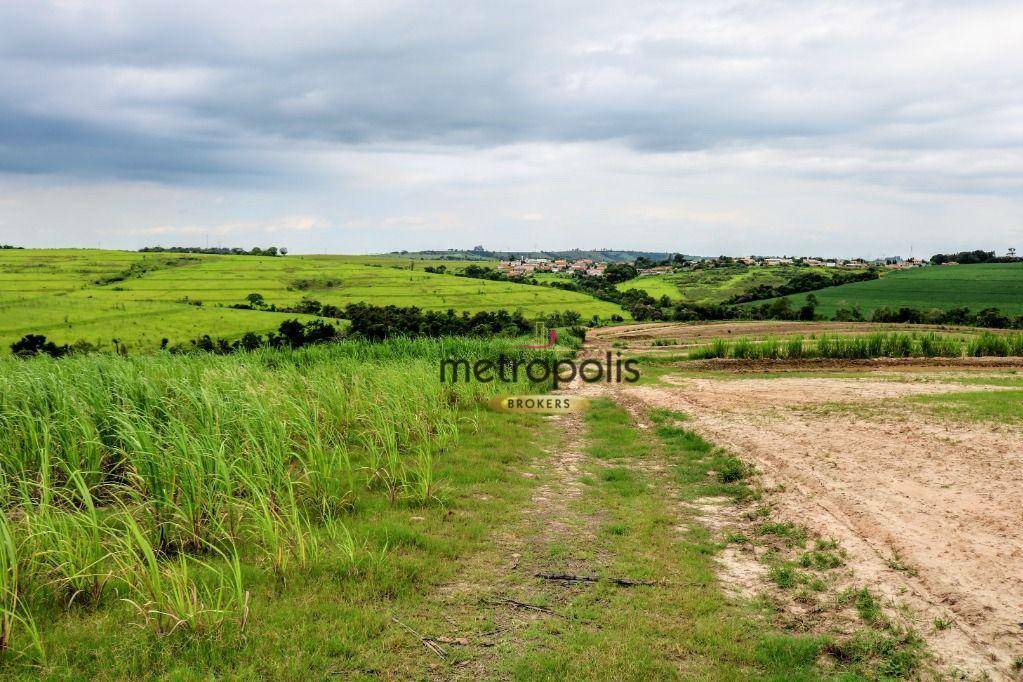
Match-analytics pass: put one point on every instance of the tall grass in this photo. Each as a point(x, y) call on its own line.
point(155, 474)
point(866, 346)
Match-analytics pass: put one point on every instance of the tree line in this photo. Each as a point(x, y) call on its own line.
point(366, 321)
point(972, 257)
point(803, 282)
point(377, 323)
point(217, 250)
point(644, 307)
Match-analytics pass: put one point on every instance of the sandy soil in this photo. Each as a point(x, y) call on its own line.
point(930, 511)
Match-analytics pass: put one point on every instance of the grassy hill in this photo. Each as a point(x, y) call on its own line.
point(716, 285)
point(70, 294)
point(998, 285)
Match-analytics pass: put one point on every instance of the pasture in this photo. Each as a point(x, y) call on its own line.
point(140, 299)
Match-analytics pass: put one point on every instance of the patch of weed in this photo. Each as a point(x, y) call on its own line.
point(793, 535)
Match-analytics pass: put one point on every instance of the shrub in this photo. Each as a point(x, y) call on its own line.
point(732, 470)
point(35, 344)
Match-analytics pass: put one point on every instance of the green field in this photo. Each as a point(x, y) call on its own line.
point(997, 285)
point(171, 516)
point(336, 512)
point(69, 295)
point(708, 286)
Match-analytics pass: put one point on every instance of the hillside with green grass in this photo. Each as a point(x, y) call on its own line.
point(712, 285)
point(997, 285)
point(96, 296)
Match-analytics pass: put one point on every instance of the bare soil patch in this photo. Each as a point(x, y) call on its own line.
point(742, 394)
point(929, 511)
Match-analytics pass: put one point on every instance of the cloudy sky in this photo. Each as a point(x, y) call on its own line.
point(838, 128)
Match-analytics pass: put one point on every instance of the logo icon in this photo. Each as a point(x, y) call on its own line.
point(552, 340)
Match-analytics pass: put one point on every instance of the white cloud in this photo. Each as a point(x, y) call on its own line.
point(725, 127)
point(297, 223)
point(282, 225)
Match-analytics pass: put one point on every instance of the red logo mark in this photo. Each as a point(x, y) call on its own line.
point(552, 339)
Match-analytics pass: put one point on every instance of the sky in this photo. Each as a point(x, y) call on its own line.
point(825, 128)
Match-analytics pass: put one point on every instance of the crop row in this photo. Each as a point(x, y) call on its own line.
point(878, 345)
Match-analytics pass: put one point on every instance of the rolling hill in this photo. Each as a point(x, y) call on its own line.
point(997, 285)
point(716, 285)
point(70, 294)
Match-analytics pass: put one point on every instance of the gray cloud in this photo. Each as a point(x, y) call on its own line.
point(317, 98)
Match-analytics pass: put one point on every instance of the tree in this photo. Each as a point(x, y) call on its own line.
point(256, 300)
point(250, 341)
point(283, 251)
point(272, 251)
point(780, 309)
point(308, 306)
point(292, 333)
point(807, 312)
point(34, 344)
point(620, 272)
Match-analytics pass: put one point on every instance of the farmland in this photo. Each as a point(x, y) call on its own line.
point(69, 295)
point(872, 456)
point(174, 494)
point(335, 510)
point(718, 284)
point(997, 285)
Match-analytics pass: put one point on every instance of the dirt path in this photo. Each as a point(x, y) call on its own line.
point(930, 511)
point(502, 587)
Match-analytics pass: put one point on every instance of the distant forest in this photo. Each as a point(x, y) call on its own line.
point(217, 250)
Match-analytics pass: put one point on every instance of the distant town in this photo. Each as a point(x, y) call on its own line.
point(523, 267)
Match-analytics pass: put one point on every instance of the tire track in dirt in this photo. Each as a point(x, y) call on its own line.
point(941, 498)
point(504, 584)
